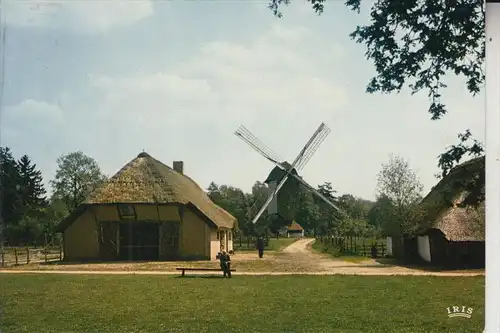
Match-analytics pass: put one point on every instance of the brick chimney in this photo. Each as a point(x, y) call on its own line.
point(179, 166)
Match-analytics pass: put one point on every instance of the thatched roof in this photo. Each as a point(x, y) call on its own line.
point(447, 207)
point(294, 226)
point(147, 180)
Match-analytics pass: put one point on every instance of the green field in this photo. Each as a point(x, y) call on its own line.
point(279, 244)
point(317, 304)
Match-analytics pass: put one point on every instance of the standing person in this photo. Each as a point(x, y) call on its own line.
point(260, 246)
point(225, 263)
point(228, 264)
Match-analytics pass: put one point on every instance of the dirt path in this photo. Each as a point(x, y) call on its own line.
point(296, 259)
point(367, 273)
point(303, 256)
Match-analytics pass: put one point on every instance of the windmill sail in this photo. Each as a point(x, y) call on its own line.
point(290, 170)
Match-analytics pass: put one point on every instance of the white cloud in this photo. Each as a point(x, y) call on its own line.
point(77, 15)
point(36, 128)
point(38, 114)
point(281, 84)
point(231, 81)
point(191, 110)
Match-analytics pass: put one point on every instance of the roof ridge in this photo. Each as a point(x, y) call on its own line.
point(147, 179)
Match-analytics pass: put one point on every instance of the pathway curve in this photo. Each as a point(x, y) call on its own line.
point(304, 257)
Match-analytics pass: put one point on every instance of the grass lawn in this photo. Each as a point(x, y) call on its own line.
point(318, 304)
point(279, 244)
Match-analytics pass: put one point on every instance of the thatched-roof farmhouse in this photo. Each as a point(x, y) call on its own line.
point(453, 232)
point(147, 211)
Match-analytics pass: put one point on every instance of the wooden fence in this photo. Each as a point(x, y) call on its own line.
point(16, 255)
point(357, 246)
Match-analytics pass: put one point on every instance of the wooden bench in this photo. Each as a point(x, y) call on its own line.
point(184, 269)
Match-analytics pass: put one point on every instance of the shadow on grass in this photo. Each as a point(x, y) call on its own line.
point(200, 276)
point(422, 266)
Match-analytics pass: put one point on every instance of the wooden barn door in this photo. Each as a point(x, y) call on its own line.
point(438, 246)
point(108, 242)
point(169, 240)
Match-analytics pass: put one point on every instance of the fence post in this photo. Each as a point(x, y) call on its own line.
point(383, 247)
point(364, 249)
point(15, 254)
point(3, 258)
point(60, 252)
point(27, 255)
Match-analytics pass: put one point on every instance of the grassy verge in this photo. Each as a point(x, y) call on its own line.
point(280, 243)
point(332, 250)
point(335, 252)
point(108, 304)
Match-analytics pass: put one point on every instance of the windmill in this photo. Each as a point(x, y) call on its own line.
point(287, 170)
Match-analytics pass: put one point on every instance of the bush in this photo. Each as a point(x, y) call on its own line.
point(328, 248)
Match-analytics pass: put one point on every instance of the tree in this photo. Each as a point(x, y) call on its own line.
point(231, 199)
point(329, 217)
point(76, 177)
point(11, 199)
point(54, 213)
point(381, 211)
point(415, 44)
point(32, 188)
point(399, 183)
point(355, 207)
point(32, 201)
point(308, 212)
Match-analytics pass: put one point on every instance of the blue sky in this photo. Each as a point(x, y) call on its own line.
point(177, 78)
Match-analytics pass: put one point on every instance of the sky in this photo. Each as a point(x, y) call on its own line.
point(177, 78)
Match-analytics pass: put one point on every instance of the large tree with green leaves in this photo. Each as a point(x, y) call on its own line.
point(76, 177)
point(400, 185)
point(233, 200)
point(415, 44)
point(381, 212)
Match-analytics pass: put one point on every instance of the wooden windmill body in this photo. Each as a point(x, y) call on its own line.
point(285, 173)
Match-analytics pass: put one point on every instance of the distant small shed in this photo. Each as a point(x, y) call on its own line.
point(293, 229)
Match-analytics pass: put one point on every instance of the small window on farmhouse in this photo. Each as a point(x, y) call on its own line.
point(126, 211)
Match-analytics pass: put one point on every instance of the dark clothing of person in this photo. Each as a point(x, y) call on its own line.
point(260, 247)
point(225, 264)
